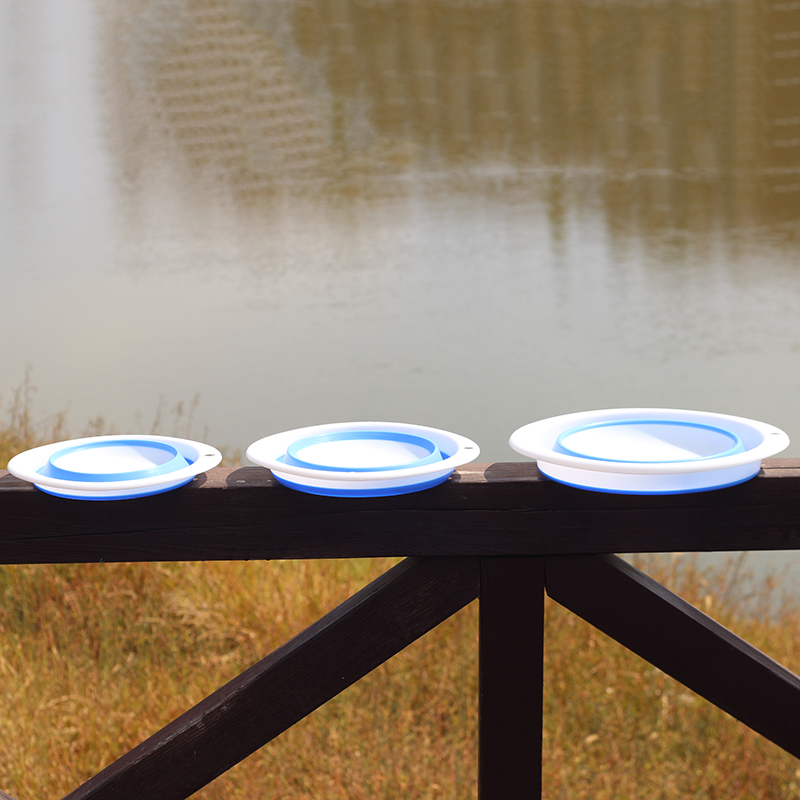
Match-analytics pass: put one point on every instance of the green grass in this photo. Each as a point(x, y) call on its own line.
point(94, 658)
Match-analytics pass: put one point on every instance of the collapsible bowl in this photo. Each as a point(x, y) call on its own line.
point(362, 459)
point(649, 450)
point(114, 467)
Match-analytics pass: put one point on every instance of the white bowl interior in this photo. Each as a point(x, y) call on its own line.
point(648, 441)
point(113, 459)
point(362, 453)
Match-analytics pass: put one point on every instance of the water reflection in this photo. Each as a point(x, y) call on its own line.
point(678, 116)
point(463, 214)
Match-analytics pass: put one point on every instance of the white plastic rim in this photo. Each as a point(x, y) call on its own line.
point(197, 457)
point(385, 487)
point(455, 451)
point(119, 494)
point(625, 483)
point(687, 473)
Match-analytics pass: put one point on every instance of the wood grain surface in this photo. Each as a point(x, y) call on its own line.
point(484, 509)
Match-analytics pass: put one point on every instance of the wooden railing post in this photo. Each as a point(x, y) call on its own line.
point(511, 669)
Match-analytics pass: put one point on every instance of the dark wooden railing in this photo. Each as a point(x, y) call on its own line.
point(496, 532)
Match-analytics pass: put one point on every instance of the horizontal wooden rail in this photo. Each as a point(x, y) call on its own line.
point(485, 509)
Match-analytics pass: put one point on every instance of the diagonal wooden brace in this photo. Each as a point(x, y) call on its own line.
point(680, 640)
point(298, 677)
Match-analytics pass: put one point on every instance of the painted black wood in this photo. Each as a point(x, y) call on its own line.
point(682, 641)
point(489, 509)
point(507, 515)
point(332, 654)
point(511, 666)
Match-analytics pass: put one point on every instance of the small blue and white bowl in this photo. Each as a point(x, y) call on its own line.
point(114, 467)
point(649, 450)
point(362, 459)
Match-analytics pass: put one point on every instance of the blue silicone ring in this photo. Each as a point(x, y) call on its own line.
point(52, 470)
point(351, 488)
point(293, 451)
point(736, 446)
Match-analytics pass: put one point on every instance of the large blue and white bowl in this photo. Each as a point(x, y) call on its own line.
point(649, 450)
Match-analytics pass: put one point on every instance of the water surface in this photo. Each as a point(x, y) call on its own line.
point(462, 214)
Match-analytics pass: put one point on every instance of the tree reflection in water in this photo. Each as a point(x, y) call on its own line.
point(678, 116)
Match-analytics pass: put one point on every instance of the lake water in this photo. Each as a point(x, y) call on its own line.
point(468, 214)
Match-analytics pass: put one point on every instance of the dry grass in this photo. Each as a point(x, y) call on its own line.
point(94, 658)
point(18, 432)
point(616, 727)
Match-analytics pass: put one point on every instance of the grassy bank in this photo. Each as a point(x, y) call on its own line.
point(94, 658)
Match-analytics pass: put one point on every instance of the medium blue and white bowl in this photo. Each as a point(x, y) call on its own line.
point(362, 459)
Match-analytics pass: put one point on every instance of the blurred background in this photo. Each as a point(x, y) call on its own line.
point(470, 214)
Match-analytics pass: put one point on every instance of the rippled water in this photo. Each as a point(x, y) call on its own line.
point(462, 214)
